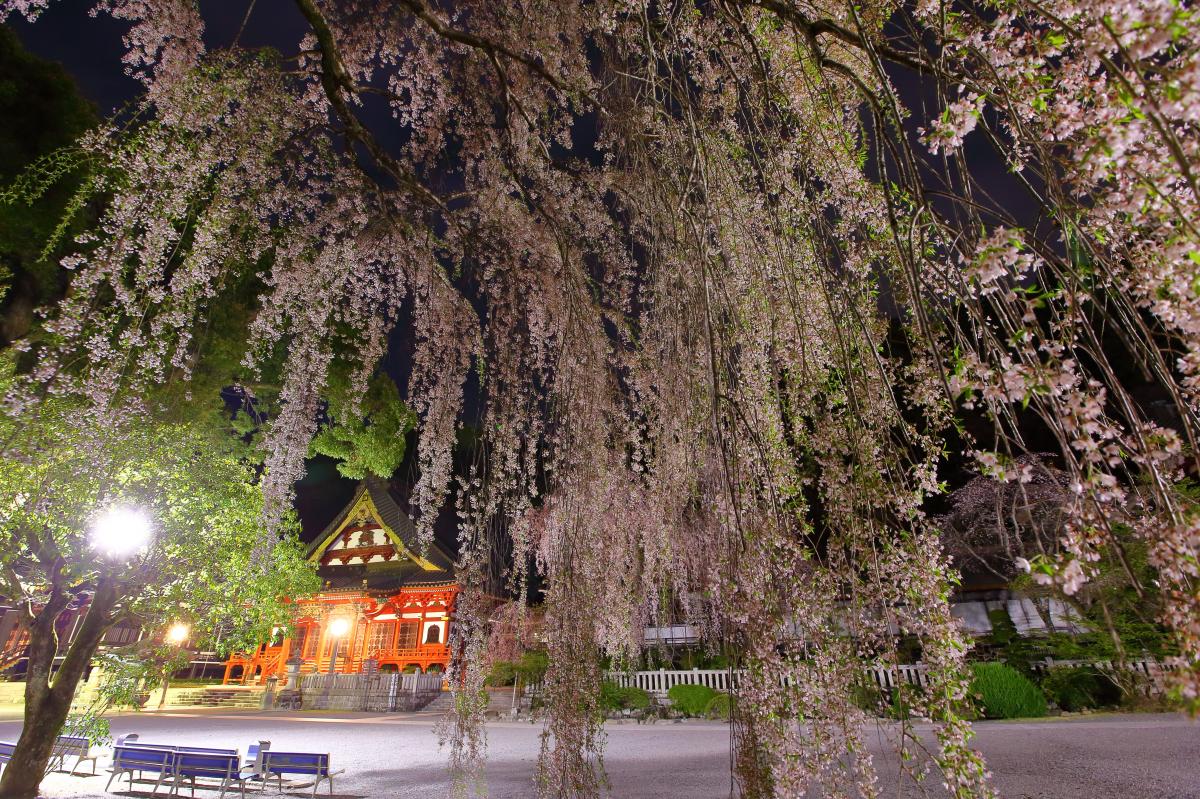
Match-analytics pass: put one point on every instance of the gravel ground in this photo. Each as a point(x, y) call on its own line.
point(396, 755)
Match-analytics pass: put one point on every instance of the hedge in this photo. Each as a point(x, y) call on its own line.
point(1004, 693)
point(690, 700)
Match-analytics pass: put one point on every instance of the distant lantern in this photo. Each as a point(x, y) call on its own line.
point(339, 627)
point(178, 633)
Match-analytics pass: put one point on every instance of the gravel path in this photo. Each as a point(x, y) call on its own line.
point(386, 756)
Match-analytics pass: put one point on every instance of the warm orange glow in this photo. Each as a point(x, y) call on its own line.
point(178, 633)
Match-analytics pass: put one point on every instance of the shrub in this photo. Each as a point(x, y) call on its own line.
point(532, 666)
point(901, 701)
point(690, 700)
point(866, 697)
point(719, 707)
point(1076, 688)
point(502, 673)
point(614, 697)
point(1004, 693)
point(635, 698)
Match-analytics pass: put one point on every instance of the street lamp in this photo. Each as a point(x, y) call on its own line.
point(120, 532)
point(337, 628)
point(175, 635)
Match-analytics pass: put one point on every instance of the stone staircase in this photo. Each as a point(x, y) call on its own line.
point(223, 696)
point(443, 703)
point(499, 703)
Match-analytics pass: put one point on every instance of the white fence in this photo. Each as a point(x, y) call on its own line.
point(374, 692)
point(1152, 671)
point(885, 678)
point(661, 681)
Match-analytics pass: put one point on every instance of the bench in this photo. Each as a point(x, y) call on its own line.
point(226, 767)
point(6, 752)
point(305, 764)
point(180, 764)
point(75, 746)
point(137, 758)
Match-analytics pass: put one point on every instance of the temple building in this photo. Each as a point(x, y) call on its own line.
point(383, 600)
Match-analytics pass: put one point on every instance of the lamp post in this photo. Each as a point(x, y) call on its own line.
point(175, 636)
point(337, 628)
point(117, 534)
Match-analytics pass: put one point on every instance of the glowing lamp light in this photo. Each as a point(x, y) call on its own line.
point(178, 633)
point(339, 627)
point(121, 532)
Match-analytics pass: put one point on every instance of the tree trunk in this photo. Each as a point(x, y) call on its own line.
point(47, 702)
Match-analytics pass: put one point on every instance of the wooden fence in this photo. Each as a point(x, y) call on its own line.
point(886, 678)
point(1152, 672)
point(371, 692)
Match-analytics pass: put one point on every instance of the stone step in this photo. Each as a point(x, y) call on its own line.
point(219, 696)
point(443, 703)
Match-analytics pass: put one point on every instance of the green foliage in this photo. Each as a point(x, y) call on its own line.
point(1077, 688)
point(699, 659)
point(1003, 631)
point(1004, 693)
point(124, 679)
point(371, 441)
point(1006, 644)
point(901, 701)
point(615, 697)
point(866, 696)
point(205, 509)
point(1110, 605)
point(532, 666)
point(719, 707)
point(690, 700)
point(503, 672)
point(43, 114)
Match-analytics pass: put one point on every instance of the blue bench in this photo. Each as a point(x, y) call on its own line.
point(75, 746)
point(299, 764)
point(226, 767)
point(6, 752)
point(138, 758)
point(176, 763)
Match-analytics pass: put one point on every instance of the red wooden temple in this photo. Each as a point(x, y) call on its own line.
point(382, 600)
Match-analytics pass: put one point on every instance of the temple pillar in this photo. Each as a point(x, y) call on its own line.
point(285, 652)
point(321, 643)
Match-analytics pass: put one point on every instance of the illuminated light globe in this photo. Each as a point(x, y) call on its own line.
point(339, 627)
point(121, 532)
point(178, 633)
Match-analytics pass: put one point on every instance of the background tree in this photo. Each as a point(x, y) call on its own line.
point(44, 114)
point(1013, 529)
point(65, 469)
point(367, 436)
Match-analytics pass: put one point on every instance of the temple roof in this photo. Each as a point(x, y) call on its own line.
point(387, 552)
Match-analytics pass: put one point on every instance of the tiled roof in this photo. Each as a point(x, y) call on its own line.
point(394, 517)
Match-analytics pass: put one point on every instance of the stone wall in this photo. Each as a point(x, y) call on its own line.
point(382, 693)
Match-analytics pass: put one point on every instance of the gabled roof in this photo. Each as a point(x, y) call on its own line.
point(373, 500)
